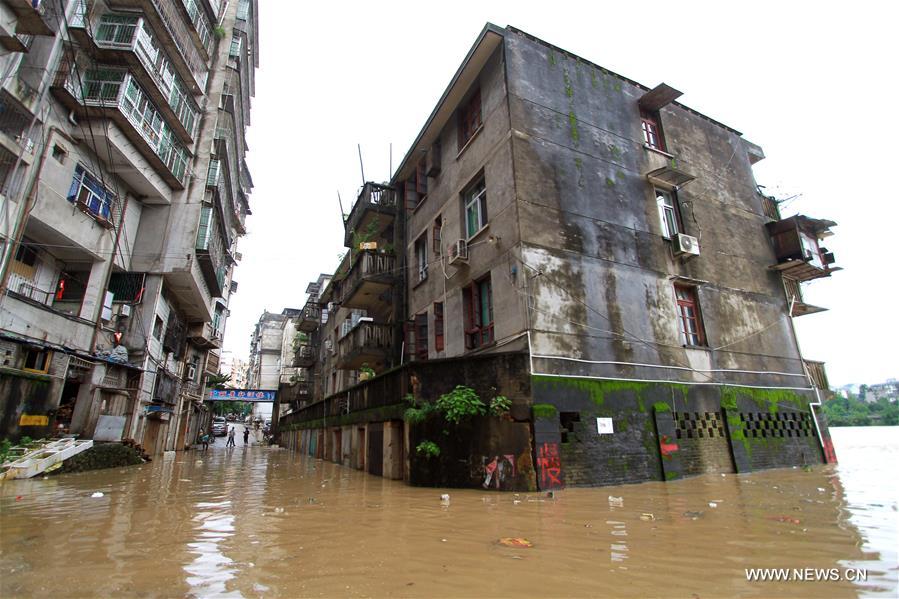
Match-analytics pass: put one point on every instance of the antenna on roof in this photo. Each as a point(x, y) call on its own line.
point(359, 147)
point(342, 213)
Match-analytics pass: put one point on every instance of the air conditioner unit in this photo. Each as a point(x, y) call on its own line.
point(686, 244)
point(459, 252)
point(124, 310)
point(191, 372)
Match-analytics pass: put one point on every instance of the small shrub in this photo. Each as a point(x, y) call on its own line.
point(499, 405)
point(427, 449)
point(460, 404)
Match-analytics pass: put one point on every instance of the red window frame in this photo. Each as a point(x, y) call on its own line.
point(470, 119)
point(478, 333)
point(688, 311)
point(421, 336)
point(651, 124)
point(438, 326)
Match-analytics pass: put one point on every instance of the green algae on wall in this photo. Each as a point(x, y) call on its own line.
point(544, 410)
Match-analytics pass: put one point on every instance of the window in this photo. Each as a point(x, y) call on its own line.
point(25, 254)
point(810, 250)
point(59, 154)
point(87, 191)
point(438, 225)
point(116, 29)
point(421, 257)
point(417, 185)
point(37, 360)
point(421, 336)
point(438, 326)
point(126, 286)
point(475, 209)
point(158, 328)
point(477, 300)
point(71, 286)
point(652, 129)
point(669, 213)
point(469, 119)
point(689, 317)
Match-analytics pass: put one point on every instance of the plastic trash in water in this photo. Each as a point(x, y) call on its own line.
point(445, 498)
point(713, 504)
point(647, 517)
point(616, 501)
point(96, 494)
point(515, 542)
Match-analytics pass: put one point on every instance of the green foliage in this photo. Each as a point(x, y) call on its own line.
point(223, 408)
point(428, 449)
point(217, 381)
point(367, 370)
point(544, 410)
point(460, 404)
point(4, 449)
point(661, 406)
point(219, 32)
point(25, 440)
point(852, 411)
point(499, 405)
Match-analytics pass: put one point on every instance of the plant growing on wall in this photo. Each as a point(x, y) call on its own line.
point(499, 405)
point(219, 32)
point(366, 372)
point(460, 404)
point(427, 449)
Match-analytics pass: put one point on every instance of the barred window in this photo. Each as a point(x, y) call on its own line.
point(88, 192)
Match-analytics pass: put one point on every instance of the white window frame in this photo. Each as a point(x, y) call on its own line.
point(476, 198)
point(84, 189)
point(665, 202)
point(421, 256)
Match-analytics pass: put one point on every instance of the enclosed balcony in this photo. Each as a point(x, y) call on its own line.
point(368, 283)
point(211, 254)
point(32, 16)
point(372, 214)
point(127, 40)
point(800, 256)
point(116, 94)
point(304, 356)
point(204, 335)
point(368, 343)
point(310, 317)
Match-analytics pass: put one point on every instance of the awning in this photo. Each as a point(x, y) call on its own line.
point(669, 177)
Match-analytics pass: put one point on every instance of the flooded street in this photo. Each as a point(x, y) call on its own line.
point(265, 522)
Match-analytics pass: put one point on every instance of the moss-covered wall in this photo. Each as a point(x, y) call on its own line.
point(656, 429)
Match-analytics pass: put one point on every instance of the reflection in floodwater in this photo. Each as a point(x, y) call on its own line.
point(248, 522)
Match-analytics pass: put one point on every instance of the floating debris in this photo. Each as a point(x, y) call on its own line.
point(693, 515)
point(96, 494)
point(515, 542)
point(647, 517)
point(616, 501)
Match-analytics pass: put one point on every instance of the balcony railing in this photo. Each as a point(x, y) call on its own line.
point(818, 374)
point(202, 26)
point(210, 248)
point(14, 123)
point(369, 266)
point(304, 355)
point(118, 91)
point(310, 318)
point(366, 342)
point(374, 201)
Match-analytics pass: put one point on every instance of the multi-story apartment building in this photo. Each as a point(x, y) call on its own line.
point(123, 210)
point(595, 251)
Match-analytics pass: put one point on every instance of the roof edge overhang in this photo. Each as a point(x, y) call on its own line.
point(487, 42)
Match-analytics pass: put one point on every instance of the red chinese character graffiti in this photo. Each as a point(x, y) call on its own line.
point(550, 466)
point(667, 447)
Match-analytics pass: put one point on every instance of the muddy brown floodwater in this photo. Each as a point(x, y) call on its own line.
point(265, 522)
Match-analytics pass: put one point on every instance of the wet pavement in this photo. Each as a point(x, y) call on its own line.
point(258, 521)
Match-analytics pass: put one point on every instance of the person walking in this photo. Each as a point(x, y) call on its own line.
point(230, 442)
point(246, 435)
point(204, 439)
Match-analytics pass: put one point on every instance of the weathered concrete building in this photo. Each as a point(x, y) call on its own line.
point(122, 213)
point(595, 251)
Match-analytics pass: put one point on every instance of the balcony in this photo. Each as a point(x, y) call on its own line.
point(796, 245)
point(176, 38)
point(30, 16)
point(213, 361)
point(794, 297)
point(304, 357)
point(372, 214)
point(367, 343)
point(116, 94)
point(14, 129)
point(818, 374)
point(369, 281)
point(204, 335)
point(210, 249)
point(310, 318)
point(202, 28)
point(127, 40)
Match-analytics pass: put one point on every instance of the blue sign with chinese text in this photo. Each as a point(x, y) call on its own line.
point(241, 395)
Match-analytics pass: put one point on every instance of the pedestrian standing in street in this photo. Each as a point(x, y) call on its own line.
point(204, 439)
point(246, 435)
point(230, 442)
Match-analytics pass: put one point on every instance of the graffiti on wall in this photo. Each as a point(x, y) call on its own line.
point(499, 471)
point(550, 466)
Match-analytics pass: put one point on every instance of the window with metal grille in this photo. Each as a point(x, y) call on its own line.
point(126, 287)
point(652, 129)
point(469, 119)
point(438, 326)
point(87, 191)
point(477, 300)
point(116, 29)
point(689, 316)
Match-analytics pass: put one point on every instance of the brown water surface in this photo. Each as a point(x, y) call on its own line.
point(266, 522)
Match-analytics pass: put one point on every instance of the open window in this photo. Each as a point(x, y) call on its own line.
point(669, 212)
point(475, 206)
point(421, 336)
point(689, 316)
point(438, 326)
point(421, 257)
point(652, 129)
point(477, 300)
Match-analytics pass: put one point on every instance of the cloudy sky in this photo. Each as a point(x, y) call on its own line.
point(811, 82)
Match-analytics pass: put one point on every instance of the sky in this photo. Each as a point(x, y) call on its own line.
point(810, 82)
